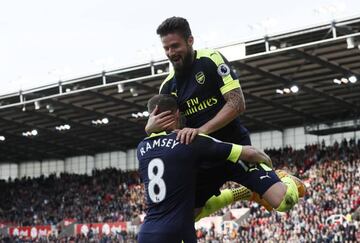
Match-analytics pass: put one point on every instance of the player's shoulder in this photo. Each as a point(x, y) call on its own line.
point(167, 80)
point(206, 53)
point(211, 54)
point(207, 137)
point(202, 140)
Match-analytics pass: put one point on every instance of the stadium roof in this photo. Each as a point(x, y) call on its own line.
point(309, 58)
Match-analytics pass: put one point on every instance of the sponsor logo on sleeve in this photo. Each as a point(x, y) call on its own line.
point(223, 70)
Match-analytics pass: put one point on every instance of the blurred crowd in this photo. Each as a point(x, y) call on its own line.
point(129, 238)
point(332, 175)
point(108, 195)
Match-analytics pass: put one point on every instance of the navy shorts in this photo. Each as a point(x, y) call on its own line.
point(257, 178)
point(166, 238)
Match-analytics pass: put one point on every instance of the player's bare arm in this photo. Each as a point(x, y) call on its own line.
point(235, 104)
point(235, 100)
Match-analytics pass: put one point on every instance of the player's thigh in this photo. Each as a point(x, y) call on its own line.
point(208, 183)
point(257, 178)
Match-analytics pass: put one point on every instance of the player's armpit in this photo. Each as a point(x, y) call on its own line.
point(235, 100)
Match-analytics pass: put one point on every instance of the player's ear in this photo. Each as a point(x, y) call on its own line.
point(177, 113)
point(190, 40)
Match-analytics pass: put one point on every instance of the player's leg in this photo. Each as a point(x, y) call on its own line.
point(245, 140)
point(229, 196)
point(207, 193)
point(225, 198)
point(281, 194)
point(208, 185)
point(208, 197)
point(300, 185)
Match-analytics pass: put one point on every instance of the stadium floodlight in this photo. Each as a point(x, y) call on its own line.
point(146, 113)
point(287, 90)
point(105, 120)
point(63, 127)
point(37, 105)
point(344, 80)
point(67, 90)
point(134, 115)
point(2, 138)
point(120, 88)
point(134, 92)
point(350, 42)
point(353, 79)
point(279, 91)
point(23, 108)
point(294, 88)
point(34, 132)
point(337, 81)
point(159, 71)
point(50, 108)
point(273, 48)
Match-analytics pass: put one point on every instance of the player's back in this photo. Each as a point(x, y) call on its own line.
point(168, 173)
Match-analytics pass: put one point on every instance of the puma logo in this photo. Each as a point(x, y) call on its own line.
point(265, 176)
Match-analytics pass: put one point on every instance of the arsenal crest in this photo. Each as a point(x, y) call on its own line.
point(200, 77)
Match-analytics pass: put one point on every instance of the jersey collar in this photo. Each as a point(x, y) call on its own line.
point(157, 134)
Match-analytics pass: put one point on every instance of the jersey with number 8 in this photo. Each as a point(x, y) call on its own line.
point(156, 180)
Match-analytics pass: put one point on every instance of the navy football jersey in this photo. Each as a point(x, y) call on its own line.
point(167, 169)
point(200, 90)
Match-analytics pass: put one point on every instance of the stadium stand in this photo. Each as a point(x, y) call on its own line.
point(331, 173)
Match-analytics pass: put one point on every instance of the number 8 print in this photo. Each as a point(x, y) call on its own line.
point(156, 179)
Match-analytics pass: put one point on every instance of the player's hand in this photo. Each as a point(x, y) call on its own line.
point(266, 160)
point(187, 135)
point(263, 158)
point(256, 156)
point(159, 122)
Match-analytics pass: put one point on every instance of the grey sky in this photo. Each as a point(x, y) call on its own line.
point(42, 41)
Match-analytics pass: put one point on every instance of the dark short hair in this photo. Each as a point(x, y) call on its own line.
point(164, 102)
point(174, 25)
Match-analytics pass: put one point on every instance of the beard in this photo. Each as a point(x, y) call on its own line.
point(182, 66)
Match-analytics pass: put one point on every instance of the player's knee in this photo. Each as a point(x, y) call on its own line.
point(275, 194)
point(291, 196)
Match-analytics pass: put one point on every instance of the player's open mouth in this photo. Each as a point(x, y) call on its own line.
point(176, 60)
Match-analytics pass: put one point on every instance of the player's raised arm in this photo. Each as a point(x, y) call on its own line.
point(231, 90)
